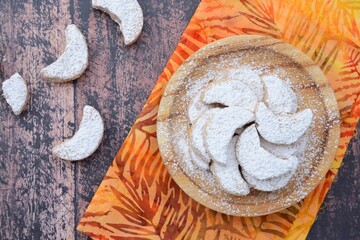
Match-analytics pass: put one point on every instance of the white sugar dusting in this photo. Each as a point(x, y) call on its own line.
point(268, 185)
point(73, 62)
point(292, 158)
point(258, 162)
point(230, 93)
point(228, 175)
point(285, 151)
point(284, 128)
point(220, 129)
point(196, 108)
point(127, 13)
point(279, 97)
point(16, 93)
point(196, 135)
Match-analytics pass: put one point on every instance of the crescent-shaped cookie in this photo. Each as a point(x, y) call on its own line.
point(228, 175)
point(220, 129)
point(197, 135)
point(271, 184)
point(73, 62)
point(258, 162)
point(282, 129)
point(279, 97)
point(196, 108)
point(127, 13)
point(230, 93)
point(86, 139)
point(285, 151)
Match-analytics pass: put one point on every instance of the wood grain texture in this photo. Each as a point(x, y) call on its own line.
point(339, 216)
point(222, 58)
point(42, 197)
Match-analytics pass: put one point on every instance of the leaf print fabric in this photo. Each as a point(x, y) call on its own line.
point(138, 199)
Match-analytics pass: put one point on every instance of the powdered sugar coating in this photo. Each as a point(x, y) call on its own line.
point(197, 133)
point(127, 13)
point(285, 151)
point(16, 93)
point(230, 93)
point(221, 127)
point(268, 185)
point(197, 160)
point(86, 140)
point(228, 175)
point(258, 162)
point(282, 129)
point(73, 62)
point(199, 71)
point(251, 78)
point(196, 108)
point(279, 97)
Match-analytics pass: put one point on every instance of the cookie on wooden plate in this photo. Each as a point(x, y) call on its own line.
point(304, 93)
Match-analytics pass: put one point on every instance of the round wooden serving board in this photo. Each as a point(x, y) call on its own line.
point(212, 63)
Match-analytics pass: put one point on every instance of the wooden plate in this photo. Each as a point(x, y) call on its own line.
point(211, 63)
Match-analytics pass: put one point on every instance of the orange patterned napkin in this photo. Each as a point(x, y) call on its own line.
point(138, 198)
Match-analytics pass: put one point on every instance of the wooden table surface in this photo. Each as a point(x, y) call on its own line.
point(43, 197)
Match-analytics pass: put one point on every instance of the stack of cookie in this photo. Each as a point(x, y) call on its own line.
point(248, 135)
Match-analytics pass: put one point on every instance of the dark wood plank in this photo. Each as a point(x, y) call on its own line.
point(339, 216)
point(125, 75)
point(42, 197)
point(36, 189)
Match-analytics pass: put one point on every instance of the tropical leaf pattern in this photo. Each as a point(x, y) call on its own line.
point(138, 199)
